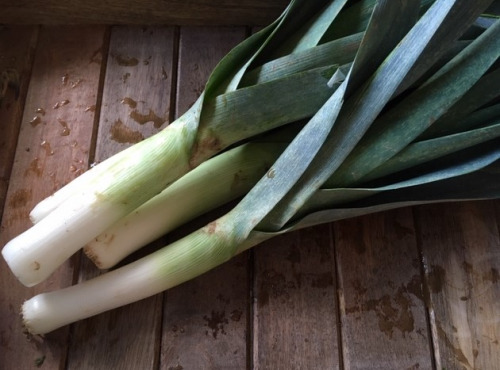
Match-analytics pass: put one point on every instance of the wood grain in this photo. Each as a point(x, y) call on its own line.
point(51, 150)
point(205, 320)
point(460, 247)
point(357, 299)
point(142, 12)
point(295, 313)
point(138, 83)
point(200, 49)
point(138, 80)
point(382, 309)
point(16, 56)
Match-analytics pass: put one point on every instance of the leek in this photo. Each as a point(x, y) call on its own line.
point(222, 116)
point(215, 182)
point(366, 146)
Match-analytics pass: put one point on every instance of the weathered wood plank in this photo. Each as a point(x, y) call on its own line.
point(137, 87)
point(461, 254)
point(18, 57)
point(205, 320)
point(382, 310)
point(295, 311)
point(142, 12)
point(52, 149)
point(497, 212)
point(200, 49)
point(135, 105)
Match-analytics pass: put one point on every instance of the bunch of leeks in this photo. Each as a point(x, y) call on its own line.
point(398, 107)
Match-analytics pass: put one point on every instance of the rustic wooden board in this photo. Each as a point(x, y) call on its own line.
point(137, 87)
point(16, 56)
point(497, 212)
point(295, 310)
point(460, 247)
point(205, 320)
point(143, 12)
point(383, 315)
point(200, 49)
point(271, 308)
point(135, 104)
point(52, 149)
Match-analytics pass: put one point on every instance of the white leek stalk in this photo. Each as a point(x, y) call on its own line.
point(142, 172)
point(161, 270)
point(213, 183)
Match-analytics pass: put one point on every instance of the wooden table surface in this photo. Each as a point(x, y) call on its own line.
point(413, 288)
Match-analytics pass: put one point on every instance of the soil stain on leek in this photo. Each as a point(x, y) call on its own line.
point(212, 227)
point(239, 181)
point(203, 149)
point(36, 265)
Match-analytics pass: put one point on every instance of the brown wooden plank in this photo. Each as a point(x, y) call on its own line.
point(295, 311)
point(138, 82)
point(497, 212)
point(205, 320)
point(144, 12)
point(17, 56)
point(52, 149)
point(382, 310)
point(461, 254)
point(137, 94)
point(200, 49)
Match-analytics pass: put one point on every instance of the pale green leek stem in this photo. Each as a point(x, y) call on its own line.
point(146, 169)
point(213, 183)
